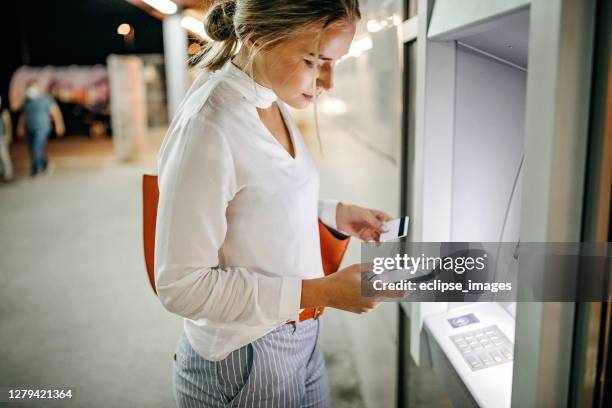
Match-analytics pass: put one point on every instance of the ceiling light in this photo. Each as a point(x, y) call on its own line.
point(124, 29)
point(359, 46)
point(195, 26)
point(163, 6)
point(333, 106)
point(373, 26)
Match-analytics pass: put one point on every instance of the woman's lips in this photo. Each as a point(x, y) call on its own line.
point(309, 97)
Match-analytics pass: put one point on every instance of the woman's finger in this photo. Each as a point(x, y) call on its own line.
point(369, 235)
point(373, 221)
point(366, 235)
point(382, 216)
point(377, 239)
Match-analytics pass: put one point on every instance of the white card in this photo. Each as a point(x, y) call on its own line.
point(396, 228)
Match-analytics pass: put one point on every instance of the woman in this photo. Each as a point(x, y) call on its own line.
point(237, 246)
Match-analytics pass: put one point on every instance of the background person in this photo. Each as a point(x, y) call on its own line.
point(6, 133)
point(39, 110)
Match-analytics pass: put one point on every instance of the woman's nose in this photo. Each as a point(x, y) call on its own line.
point(326, 78)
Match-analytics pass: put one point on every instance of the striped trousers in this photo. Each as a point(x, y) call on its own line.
point(284, 368)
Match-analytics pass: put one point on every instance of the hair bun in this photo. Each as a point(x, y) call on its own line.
point(219, 22)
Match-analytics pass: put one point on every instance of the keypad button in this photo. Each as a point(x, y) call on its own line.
point(473, 362)
point(483, 348)
point(497, 356)
point(486, 359)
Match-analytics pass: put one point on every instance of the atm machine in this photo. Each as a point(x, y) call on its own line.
point(499, 156)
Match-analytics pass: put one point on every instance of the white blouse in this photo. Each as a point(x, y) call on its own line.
point(237, 218)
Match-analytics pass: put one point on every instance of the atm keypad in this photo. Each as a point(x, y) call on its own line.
point(484, 348)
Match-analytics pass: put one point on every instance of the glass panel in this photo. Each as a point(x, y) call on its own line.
point(360, 124)
point(365, 103)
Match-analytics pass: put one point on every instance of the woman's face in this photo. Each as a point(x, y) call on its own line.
point(288, 68)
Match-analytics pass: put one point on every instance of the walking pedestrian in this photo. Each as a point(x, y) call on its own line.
point(39, 110)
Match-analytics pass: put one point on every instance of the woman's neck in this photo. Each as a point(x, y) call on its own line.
point(241, 60)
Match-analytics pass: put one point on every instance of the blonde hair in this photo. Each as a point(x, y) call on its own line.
point(231, 23)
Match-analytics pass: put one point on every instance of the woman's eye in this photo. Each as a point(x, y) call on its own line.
point(308, 63)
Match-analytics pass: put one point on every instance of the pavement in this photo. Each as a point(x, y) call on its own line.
point(76, 309)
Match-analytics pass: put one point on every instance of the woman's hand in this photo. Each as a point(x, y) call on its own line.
point(363, 223)
point(340, 290)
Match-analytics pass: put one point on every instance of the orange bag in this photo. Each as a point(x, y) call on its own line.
point(333, 244)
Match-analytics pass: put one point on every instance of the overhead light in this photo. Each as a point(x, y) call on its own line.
point(193, 49)
point(194, 25)
point(359, 46)
point(163, 6)
point(333, 106)
point(124, 29)
point(373, 26)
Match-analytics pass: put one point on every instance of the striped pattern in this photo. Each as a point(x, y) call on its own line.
point(284, 368)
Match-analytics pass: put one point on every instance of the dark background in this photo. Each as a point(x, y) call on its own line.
point(70, 32)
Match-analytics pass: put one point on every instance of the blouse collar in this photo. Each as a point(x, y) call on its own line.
point(255, 93)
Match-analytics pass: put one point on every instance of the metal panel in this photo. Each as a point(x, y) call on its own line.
point(430, 189)
point(410, 29)
point(488, 146)
point(555, 150)
point(593, 319)
point(508, 40)
point(468, 16)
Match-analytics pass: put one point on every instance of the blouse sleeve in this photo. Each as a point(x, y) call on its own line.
point(327, 212)
point(197, 180)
